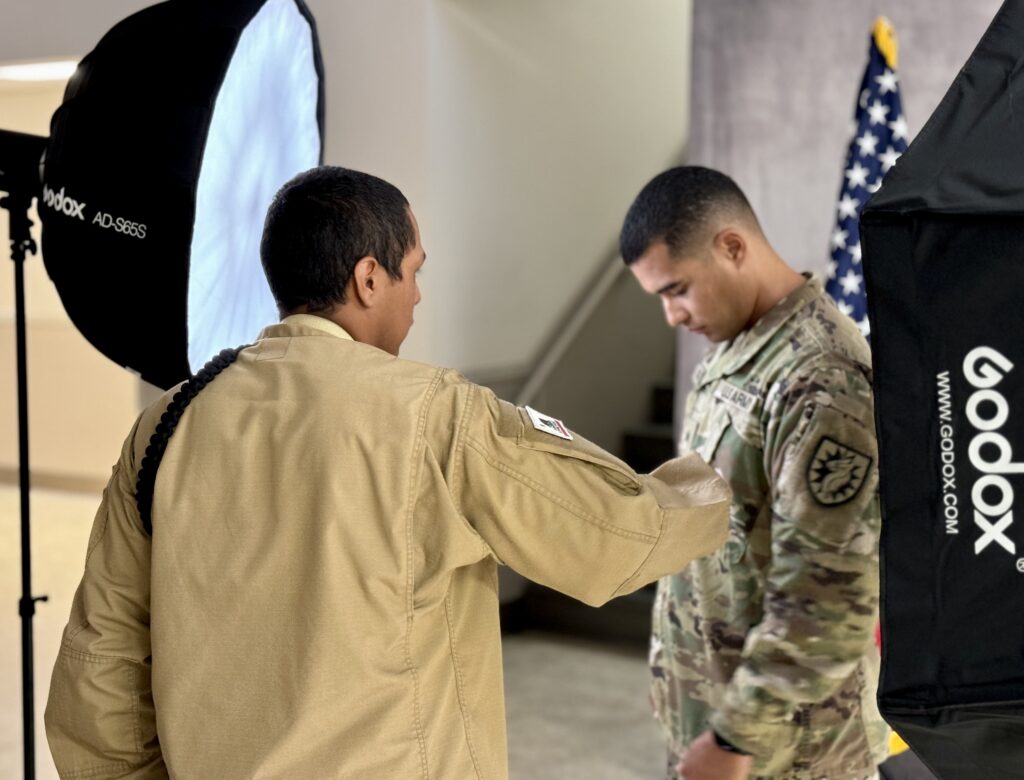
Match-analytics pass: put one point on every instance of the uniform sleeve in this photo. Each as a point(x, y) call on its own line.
point(571, 516)
point(100, 719)
point(821, 594)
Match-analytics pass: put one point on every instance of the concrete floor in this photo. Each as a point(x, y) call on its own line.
point(578, 710)
point(575, 709)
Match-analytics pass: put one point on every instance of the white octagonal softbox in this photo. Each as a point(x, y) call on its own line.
point(174, 135)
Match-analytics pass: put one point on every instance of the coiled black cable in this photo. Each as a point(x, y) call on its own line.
point(165, 428)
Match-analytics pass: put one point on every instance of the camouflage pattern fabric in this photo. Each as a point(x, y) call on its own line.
point(769, 641)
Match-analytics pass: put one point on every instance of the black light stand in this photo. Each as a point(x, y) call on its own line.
point(20, 157)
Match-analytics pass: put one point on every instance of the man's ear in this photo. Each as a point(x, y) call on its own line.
point(731, 244)
point(366, 281)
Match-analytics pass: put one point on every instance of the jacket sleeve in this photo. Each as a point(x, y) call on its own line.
point(821, 592)
point(570, 516)
point(100, 719)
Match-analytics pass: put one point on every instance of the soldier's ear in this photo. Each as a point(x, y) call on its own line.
point(731, 245)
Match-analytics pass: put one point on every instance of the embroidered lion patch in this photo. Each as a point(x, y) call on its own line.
point(836, 472)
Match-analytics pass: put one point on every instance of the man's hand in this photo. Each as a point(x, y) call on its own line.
point(704, 760)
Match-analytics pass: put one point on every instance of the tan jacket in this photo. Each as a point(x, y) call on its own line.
point(319, 597)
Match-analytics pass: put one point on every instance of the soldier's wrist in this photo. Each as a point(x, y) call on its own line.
point(726, 745)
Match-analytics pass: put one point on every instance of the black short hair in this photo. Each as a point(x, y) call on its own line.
point(320, 224)
point(677, 207)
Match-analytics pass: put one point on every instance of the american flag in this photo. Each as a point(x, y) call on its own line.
point(879, 139)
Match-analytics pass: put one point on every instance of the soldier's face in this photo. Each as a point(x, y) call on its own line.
point(703, 293)
point(402, 296)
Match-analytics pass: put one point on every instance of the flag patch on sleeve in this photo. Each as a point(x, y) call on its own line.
point(548, 424)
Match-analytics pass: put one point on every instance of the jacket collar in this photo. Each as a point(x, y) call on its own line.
point(731, 356)
point(295, 324)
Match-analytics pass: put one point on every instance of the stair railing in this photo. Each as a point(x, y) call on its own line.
point(566, 330)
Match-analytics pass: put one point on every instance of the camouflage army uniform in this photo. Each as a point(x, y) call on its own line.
point(769, 640)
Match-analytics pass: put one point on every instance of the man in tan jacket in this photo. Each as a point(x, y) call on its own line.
point(308, 589)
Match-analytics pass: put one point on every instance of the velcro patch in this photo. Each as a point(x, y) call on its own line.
point(836, 472)
point(548, 424)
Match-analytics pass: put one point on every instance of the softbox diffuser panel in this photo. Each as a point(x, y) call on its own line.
point(944, 262)
point(175, 132)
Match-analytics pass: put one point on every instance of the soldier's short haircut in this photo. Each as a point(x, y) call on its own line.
point(678, 207)
point(320, 224)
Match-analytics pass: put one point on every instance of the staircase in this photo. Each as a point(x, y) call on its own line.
point(647, 447)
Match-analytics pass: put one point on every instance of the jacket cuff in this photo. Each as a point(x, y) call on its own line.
point(754, 730)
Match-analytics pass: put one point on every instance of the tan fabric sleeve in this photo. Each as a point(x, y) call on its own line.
point(571, 516)
point(100, 719)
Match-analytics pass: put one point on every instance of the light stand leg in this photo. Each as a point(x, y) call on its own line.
point(26, 607)
point(21, 243)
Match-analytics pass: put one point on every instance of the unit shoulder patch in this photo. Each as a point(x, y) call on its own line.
point(836, 473)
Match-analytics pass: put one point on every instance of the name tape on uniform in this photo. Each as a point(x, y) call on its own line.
point(734, 396)
point(548, 424)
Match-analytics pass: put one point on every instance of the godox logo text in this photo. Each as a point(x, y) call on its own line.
point(62, 203)
point(988, 410)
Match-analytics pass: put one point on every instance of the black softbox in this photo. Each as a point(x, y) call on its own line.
point(944, 260)
point(174, 134)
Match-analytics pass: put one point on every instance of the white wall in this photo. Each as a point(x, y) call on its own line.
point(546, 118)
point(47, 29)
point(376, 89)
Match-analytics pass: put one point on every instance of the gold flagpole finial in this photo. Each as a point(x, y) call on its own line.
point(885, 39)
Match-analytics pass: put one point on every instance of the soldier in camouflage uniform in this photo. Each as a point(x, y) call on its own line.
point(762, 655)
